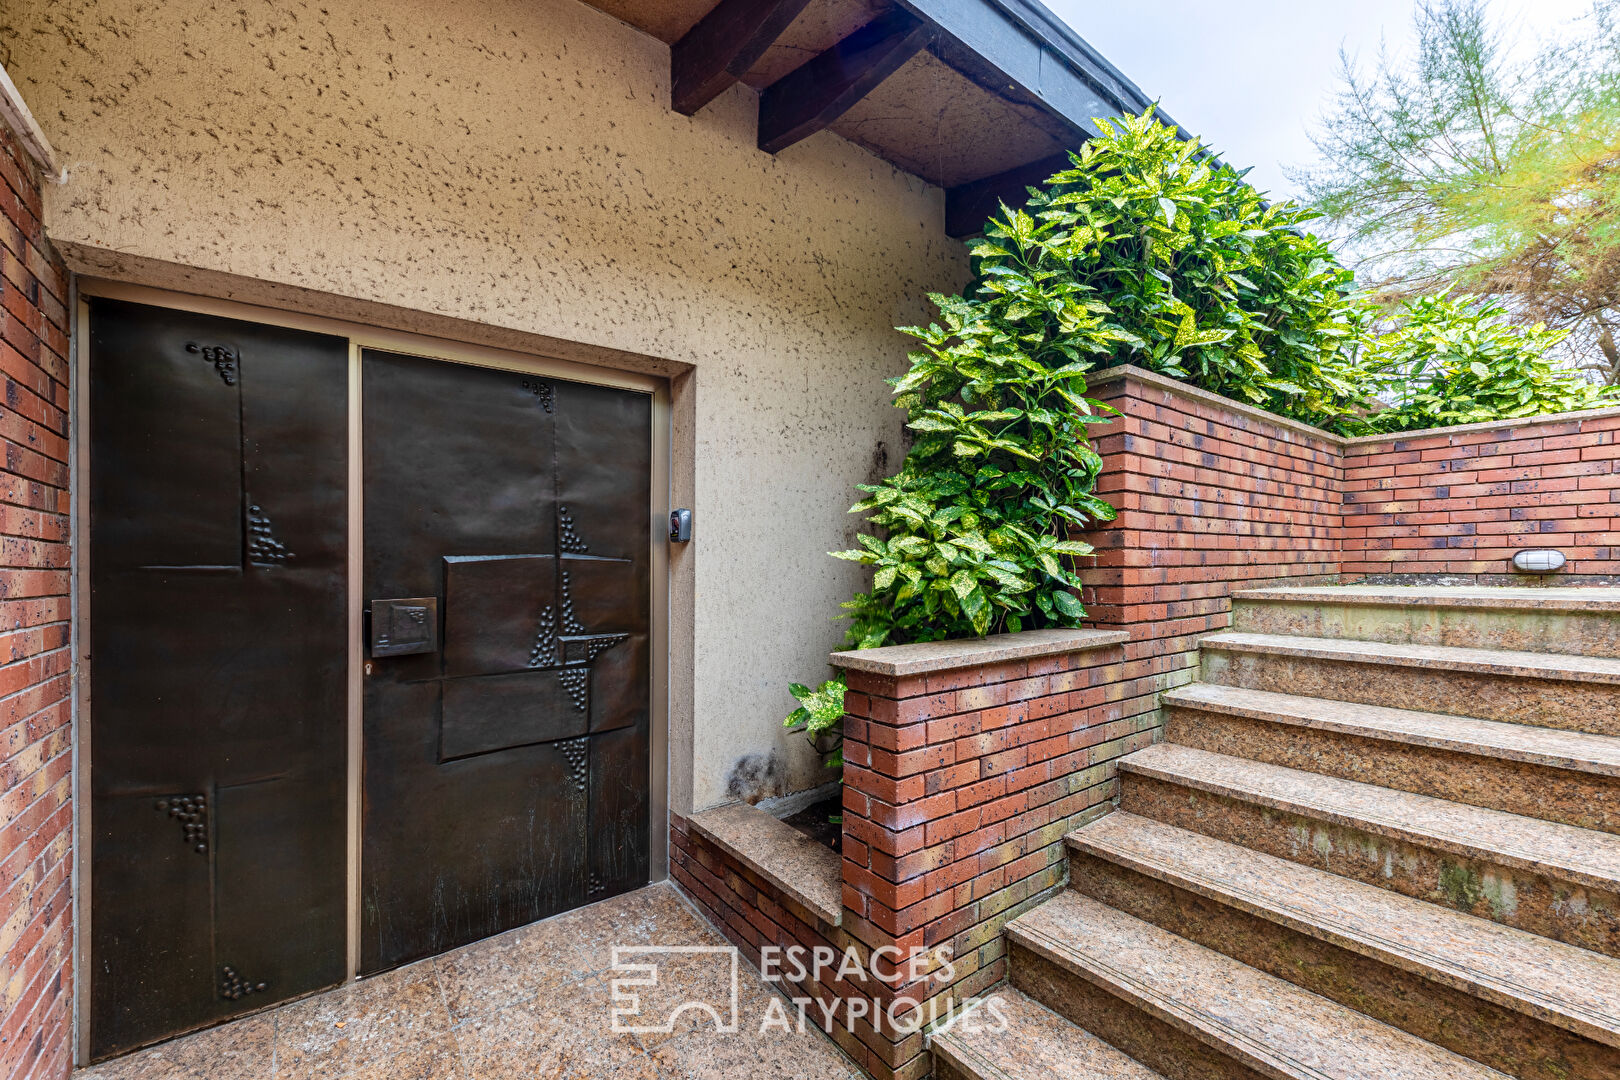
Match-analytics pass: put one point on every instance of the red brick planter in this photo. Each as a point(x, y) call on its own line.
point(966, 763)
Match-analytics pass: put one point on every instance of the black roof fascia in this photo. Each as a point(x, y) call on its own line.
point(1042, 54)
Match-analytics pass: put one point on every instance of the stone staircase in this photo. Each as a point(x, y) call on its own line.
point(1381, 840)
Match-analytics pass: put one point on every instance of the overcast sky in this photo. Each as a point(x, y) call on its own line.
point(1251, 76)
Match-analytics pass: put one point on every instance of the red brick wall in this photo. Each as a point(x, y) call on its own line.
point(959, 786)
point(1459, 503)
point(36, 909)
point(1211, 497)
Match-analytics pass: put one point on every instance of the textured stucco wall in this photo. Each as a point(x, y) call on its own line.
point(515, 162)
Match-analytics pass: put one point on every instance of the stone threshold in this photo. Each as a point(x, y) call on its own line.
point(808, 872)
point(931, 656)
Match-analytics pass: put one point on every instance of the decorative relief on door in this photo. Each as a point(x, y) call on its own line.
point(544, 651)
point(223, 357)
point(542, 391)
point(518, 656)
point(232, 986)
point(570, 621)
point(191, 811)
point(263, 549)
point(568, 537)
point(577, 753)
point(576, 680)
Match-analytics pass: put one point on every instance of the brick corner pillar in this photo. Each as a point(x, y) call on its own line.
point(36, 815)
point(966, 763)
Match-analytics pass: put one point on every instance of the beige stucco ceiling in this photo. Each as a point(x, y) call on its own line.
point(927, 118)
point(931, 120)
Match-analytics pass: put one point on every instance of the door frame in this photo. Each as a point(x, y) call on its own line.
point(359, 337)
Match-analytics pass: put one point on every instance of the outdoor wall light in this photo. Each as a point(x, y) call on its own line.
point(1539, 561)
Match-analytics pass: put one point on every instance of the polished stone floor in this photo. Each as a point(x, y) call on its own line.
point(535, 1003)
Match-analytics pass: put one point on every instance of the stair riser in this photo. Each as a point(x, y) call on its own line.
point(1572, 706)
point(1574, 798)
point(1500, 1037)
point(1570, 633)
point(1153, 1042)
point(944, 1069)
point(1541, 903)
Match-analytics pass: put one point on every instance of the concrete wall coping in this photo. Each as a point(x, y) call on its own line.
point(1164, 382)
point(804, 870)
point(1489, 425)
point(929, 656)
point(1108, 376)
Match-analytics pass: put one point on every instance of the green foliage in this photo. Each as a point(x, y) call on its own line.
point(820, 716)
point(1454, 165)
point(1201, 279)
point(1460, 362)
point(975, 525)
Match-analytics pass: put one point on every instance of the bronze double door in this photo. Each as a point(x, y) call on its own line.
point(505, 724)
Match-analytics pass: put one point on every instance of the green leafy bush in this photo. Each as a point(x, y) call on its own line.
point(820, 716)
point(975, 525)
point(1202, 280)
point(1462, 362)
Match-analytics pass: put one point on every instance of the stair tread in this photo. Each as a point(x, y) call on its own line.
point(1036, 1044)
point(1530, 665)
point(1583, 855)
point(1577, 750)
point(1564, 985)
point(1270, 1025)
point(1563, 599)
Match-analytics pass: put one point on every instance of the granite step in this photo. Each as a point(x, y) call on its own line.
point(1517, 1001)
point(1008, 1036)
point(1545, 877)
point(1197, 1012)
point(1567, 776)
point(1579, 621)
point(1575, 693)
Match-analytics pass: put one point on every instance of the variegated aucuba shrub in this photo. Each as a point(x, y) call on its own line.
point(972, 535)
point(1141, 252)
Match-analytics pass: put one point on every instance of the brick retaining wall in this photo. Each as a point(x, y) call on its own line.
point(36, 906)
point(1211, 497)
point(1457, 503)
point(966, 763)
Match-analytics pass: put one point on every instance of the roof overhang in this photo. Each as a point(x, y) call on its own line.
point(982, 97)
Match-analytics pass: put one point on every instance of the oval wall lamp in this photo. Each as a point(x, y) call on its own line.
point(1539, 561)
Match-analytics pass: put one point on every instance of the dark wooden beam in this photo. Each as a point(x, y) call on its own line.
point(968, 206)
point(810, 97)
point(723, 45)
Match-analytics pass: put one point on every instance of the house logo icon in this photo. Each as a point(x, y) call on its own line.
point(645, 972)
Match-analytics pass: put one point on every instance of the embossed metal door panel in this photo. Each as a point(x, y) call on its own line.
point(218, 532)
point(506, 772)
